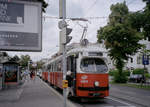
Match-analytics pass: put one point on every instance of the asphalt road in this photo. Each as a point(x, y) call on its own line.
point(121, 96)
point(129, 94)
point(107, 102)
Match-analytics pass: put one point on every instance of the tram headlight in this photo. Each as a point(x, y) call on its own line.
point(96, 83)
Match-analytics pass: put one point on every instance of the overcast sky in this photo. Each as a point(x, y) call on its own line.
point(75, 8)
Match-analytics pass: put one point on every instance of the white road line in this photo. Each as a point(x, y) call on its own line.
point(119, 106)
point(69, 103)
point(128, 105)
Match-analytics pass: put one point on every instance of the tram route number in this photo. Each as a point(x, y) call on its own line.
point(65, 84)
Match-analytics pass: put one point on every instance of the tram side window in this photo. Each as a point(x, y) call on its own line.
point(59, 66)
point(49, 68)
point(68, 64)
point(55, 67)
point(52, 67)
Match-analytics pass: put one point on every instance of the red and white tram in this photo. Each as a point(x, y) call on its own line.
point(89, 67)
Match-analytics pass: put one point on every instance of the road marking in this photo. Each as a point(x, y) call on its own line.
point(119, 106)
point(69, 103)
point(128, 105)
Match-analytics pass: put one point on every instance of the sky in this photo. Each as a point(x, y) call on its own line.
point(75, 9)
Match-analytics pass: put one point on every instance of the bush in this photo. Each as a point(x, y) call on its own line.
point(127, 72)
point(147, 75)
point(112, 72)
point(120, 78)
point(139, 71)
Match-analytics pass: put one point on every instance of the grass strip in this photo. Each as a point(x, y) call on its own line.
point(140, 86)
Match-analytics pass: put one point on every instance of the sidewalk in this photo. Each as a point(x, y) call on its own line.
point(34, 93)
point(12, 94)
point(133, 95)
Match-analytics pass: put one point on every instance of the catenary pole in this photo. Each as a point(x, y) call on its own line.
point(64, 50)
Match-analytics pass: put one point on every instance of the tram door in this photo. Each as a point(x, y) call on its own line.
point(71, 65)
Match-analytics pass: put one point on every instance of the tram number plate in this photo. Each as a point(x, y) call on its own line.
point(84, 81)
point(96, 94)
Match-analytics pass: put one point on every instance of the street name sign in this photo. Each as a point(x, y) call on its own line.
point(20, 25)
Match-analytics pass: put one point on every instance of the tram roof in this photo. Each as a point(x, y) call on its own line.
point(76, 48)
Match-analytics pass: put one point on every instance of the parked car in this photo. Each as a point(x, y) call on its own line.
point(137, 78)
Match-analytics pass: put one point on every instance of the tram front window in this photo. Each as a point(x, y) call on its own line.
point(93, 65)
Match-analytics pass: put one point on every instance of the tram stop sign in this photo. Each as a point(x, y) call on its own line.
point(145, 60)
point(20, 25)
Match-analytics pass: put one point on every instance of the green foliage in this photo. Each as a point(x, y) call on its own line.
point(136, 20)
point(120, 37)
point(139, 71)
point(147, 75)
point(112, 72)
point(118, 14)
point(127, 72)
point(40, 64)
point(24, 60)
point(146, 17)
point(120, 77)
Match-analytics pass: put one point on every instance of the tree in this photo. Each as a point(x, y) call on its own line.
point(121, 40)
point(24, 60)
point(39, 64)
point(145, 19)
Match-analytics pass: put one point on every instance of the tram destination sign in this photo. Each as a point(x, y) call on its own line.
point(20, 25)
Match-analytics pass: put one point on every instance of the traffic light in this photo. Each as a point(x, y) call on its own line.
point(68, 38)
point(64, 38)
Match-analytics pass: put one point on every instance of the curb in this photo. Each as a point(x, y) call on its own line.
point(69, 103)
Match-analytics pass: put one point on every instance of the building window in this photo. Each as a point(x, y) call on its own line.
point(149, 38)
point(131, 60)
point(139, 59)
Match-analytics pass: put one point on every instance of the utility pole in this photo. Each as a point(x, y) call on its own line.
point(62, 14)
point(64, 39)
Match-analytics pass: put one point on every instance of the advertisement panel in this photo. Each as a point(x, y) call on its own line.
point(11, 71)
point(20, 26)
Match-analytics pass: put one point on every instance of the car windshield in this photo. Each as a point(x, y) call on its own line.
point(93, 65)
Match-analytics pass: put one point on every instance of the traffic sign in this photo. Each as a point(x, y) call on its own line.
point(145, 60)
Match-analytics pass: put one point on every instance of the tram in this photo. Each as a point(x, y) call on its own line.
point(89, 67)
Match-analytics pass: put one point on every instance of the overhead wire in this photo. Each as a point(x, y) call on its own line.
point(90, 8)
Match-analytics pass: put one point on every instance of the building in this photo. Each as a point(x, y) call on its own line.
point(136, 60)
